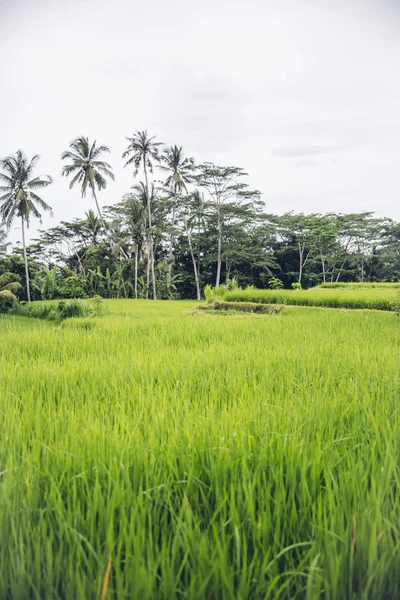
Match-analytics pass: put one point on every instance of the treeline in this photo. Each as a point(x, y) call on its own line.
point(182, 227)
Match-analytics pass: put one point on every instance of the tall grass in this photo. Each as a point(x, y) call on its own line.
point(357, 285)
point(377, 299)
point(224, 458)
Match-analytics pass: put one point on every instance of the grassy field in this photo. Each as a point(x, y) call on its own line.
point(368, 285)
point(363, 297)
point(207, 457)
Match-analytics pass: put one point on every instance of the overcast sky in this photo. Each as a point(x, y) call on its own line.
point(305, 95)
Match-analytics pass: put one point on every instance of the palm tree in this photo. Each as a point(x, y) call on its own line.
point(86, 169)
point(143, 150)
point(20, 199)
point(92, 226)
point(135, 215)
point(180, 171)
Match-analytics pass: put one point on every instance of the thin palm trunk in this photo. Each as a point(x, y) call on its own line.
point(136, 267)
point(150, 237)
point(98, 208)
point(28, 289)
point(147, 267)
point(171, 244)
point(219, 251)
point(196, 276)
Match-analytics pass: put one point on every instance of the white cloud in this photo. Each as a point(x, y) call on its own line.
point(267, 85)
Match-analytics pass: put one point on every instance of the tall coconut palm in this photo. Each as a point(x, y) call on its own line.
point(134, 211)
point(19, 198)
point(86, 168)
point(179, 172)
point(142, 151)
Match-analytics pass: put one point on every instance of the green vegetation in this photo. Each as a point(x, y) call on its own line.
point(180, 227)
point(357, 285)
point(246, 307)
point(240, 457)
point(374, 298)
point(58, 311)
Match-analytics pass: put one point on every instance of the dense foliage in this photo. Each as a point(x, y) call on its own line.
point(185, 226)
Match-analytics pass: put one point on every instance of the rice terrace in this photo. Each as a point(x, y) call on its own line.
point(201, 455)
point(200, 300)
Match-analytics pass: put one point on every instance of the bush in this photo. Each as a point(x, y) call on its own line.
point(296, 286)
point(213, 293)
point(58, 312)
point(275, 283)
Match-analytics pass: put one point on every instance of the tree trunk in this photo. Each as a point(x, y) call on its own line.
point(28, 289)
point(151, 245)
point(228, 272)
point(98, 208)
point(148, 268)
point(196, 275)
point(171, 244)
point(323, 266)
point(301, 252)
point(219, 259)
point(136, 268)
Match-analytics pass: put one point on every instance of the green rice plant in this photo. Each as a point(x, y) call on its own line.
point(54, 311)
point(377, 299)
point(246, 307)
point(360, 285)
point(396, 304)
point(162, 455)
point(213, 293)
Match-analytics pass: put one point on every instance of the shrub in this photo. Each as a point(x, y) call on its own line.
point(58, 312)
point(296, 286)
point(275, 283)
point(213, 293)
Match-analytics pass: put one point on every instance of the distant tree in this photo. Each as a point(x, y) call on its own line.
point(19, 198)
point(229, 199)
point(92, 225)
point(86, 168)
point(129, 223)
point(143, 151)
point(179, 171)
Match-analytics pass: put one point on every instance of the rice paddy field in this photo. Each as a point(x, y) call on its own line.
point(363, 296)
point(161, 453)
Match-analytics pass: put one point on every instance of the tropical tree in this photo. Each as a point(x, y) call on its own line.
point(129, 222)
point(86, 168)
point(19, 198)
point(229, 200)
point(179, 172)
point(190, 215)
point(93, 226)
point(143, 151)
